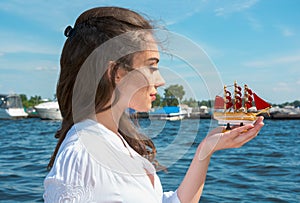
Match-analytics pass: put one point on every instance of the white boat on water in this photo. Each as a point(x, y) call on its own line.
point(173, 117)
point(48, 111)
point(170, 113)
point(11, 107)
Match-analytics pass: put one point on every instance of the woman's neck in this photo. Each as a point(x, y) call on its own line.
point(110, 118)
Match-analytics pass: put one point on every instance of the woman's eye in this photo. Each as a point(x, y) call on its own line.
point(152, 69)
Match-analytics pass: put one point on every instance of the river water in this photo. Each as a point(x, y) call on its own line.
point(267, 169)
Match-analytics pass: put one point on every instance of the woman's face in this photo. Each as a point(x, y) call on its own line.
point(139, 86)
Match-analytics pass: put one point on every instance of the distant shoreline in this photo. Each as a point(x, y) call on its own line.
point(273, 116)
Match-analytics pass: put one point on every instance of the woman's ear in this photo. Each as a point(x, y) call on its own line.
point(115, 73)
point(120, 73)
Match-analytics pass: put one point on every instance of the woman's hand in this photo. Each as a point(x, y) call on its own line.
point(192, 185)
point(235, 138)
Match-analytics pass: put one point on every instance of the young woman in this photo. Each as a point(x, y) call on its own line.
point(109, 63)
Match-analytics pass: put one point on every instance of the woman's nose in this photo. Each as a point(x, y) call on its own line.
point(159, 80)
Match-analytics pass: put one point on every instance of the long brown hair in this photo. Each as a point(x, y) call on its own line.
point(93, 28)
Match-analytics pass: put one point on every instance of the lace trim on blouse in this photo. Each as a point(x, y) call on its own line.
point(61, 192)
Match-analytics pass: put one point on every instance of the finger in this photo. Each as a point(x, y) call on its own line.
point(254, 131)
point(259, 123)
point(246, 137)
point(239, 130)
point(243, 139)
point(250, 134)
point(259, 120)
point(216, 130)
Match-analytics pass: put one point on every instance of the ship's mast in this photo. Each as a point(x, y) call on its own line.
point(245, 97)
point(237, 97)
point(225, 98)
point(235, 87)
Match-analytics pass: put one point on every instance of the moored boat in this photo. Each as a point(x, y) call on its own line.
point(49, 110)
point(11, 107)
point(170, 113)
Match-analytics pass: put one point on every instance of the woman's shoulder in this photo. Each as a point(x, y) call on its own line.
point(74, 171)
point(74, 153)
point(72, 139)
point(73, 159)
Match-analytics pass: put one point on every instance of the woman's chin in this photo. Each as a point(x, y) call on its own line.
point(143, 109)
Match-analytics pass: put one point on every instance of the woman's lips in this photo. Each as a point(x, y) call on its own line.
point(153, 96)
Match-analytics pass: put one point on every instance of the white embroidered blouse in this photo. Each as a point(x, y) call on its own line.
point(93, 165)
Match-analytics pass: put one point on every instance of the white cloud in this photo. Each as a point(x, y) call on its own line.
point(268, 62)
point(28, 48)
point(285, 30)
point(234, 6)
point(283, 87)
point(168, 13)
point(288, 33)
point(286, 91)
point(61, 13)
point(13, 43)
point(254, 23)
point(46, 68)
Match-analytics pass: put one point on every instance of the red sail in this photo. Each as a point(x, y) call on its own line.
point(249, 102)
point(238, 105)
point(238, 90)
point(219, 102)
point(237, 98)
point(238, 93)
point(238, 102)
point(260, 103)
point(229, 105)
point(228, 98)
point(249, 91)
point(250, 99)
point(249, 105)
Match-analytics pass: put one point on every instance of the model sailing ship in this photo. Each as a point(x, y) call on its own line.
point(234, 109)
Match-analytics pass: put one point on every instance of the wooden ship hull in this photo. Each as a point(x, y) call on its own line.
point(234, 118)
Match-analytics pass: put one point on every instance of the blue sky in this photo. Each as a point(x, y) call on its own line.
point(256, 42)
